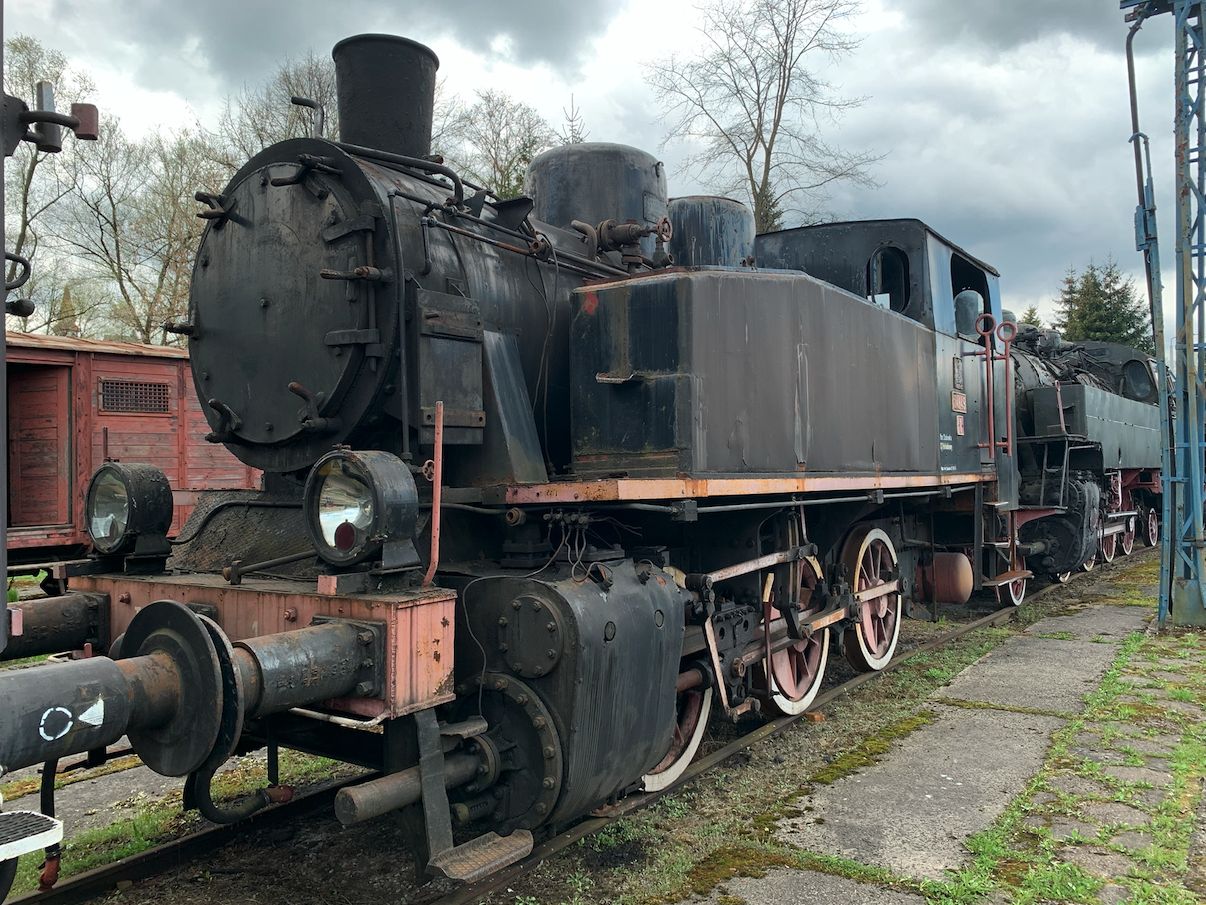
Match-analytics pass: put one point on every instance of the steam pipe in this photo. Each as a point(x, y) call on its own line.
point(414, 163)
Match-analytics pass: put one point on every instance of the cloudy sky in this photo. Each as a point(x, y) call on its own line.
point(1004, 123)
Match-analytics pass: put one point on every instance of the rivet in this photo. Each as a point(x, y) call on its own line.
point(267, 425)
point(366, 663)
point(548, 782)
point(123, 597)
point(263, 303)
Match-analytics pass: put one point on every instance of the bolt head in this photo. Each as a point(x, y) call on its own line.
point(500, 684)
point(502, 645)
point(539, 722)
point(549, 751)
point(548, 782)
point(514, 604)
point(521, 699)
point(365, 637)
point(364, 688)
point(536, 606)
point(541, 807)
point(552, 626)
point(552, 654)
point(502, 620)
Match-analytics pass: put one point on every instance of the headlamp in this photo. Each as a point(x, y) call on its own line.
point(361, 504)
point(129, 509)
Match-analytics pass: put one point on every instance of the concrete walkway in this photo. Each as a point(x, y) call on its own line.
point(1070, 768)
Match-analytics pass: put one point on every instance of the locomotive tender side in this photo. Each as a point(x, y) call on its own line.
point(538, 497)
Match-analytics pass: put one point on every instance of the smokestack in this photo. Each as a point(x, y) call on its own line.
point(386, 90)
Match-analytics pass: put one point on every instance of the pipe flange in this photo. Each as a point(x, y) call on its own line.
point(182, 744)
point(491, 765)
point(234, 698)
point(541, 721)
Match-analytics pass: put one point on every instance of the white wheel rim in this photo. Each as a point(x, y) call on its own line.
point(794, 708)
point(870, 537)
point(655, 782)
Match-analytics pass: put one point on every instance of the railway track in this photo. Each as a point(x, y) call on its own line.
point(157, 860)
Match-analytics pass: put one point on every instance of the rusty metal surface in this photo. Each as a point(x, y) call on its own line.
point(75, 344)
point(621, 489)
point(50, 625)
point(419, 625)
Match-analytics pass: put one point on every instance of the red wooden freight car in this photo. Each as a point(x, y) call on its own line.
point(74, 402)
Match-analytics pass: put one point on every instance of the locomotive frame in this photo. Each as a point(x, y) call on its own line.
point(680, 484)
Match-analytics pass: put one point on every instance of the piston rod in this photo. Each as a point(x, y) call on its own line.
point(356, 804)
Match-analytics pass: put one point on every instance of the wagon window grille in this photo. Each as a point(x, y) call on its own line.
point(134, 396)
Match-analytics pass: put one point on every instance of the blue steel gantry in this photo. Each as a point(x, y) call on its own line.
point(1183, 402)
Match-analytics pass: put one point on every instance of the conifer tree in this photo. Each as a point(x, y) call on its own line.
point(1031, 316)
point(1101, 304)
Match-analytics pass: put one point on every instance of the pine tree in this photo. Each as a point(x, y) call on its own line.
point(1101, 304)
point(1031, 316)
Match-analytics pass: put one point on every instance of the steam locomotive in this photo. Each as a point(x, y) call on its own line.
point(550, 480)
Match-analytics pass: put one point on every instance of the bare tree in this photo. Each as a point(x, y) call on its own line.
point(132, 222)
point(753, 102)
point(36, 181)
point(257, 117)
point(501, 136)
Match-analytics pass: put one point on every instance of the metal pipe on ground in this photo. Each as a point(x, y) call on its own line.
point(355, 804)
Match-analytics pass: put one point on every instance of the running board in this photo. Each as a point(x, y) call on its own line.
point(22, 832)
point(482, 856)
point(1006, 578)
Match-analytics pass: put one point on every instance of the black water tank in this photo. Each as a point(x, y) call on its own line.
point(709, 230)
point(386, 90)
point(596, 181)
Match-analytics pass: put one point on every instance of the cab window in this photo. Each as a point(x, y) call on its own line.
point(888, 279)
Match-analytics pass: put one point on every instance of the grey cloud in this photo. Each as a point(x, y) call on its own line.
point(241, 41)
point(1019, 162)
point(1005, 24)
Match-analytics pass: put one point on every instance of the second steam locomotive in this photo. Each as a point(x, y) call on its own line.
point(550, 480)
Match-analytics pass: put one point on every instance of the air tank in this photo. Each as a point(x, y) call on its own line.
point(709, 229)
point(597, 181)
point(386, 90)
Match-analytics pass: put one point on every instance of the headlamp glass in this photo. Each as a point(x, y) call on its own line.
point(108, 510)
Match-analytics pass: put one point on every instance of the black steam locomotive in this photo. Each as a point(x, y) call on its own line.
point(550, 479)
